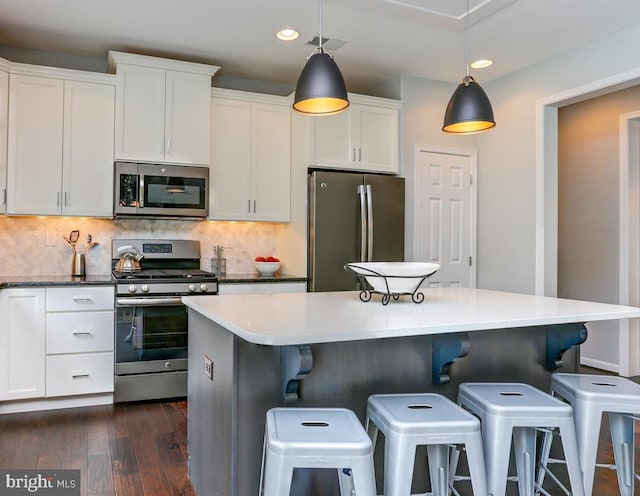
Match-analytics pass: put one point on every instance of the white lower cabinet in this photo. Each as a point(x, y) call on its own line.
point(79, 351)
point(262, 288)
point(56, 342)
point(22, 343)
point(83, 373)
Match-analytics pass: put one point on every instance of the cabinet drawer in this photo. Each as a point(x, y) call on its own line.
point(79, 374)
point(79, 332)
point(79, 298)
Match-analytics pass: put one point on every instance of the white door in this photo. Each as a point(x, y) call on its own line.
point(188, 118)
point(22, 343)
point(445, 216)
point(230, 170)
point(271, 162)
point(34, 170)
point(87, 158)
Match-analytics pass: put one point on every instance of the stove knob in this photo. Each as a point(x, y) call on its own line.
point(192, 288)
point(132, 288)
point(145, 288)
point(204, 288)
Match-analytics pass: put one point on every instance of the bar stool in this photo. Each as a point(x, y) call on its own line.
point(513, 411)
point(591, 396)
point(411, 420)
point(316, 438)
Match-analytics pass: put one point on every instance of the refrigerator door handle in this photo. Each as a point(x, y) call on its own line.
point(370, 223)
point(362, 192)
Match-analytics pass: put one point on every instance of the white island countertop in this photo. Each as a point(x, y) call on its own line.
point(308, 318)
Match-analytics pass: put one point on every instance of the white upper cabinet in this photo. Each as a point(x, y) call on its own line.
point(4, 116)
point(34, 173)
point(87, 151)
point(364, 137)
point(60, 147)
point(251, 157)
point(162, 109)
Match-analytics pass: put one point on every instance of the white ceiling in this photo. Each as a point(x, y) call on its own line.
point(384, 38)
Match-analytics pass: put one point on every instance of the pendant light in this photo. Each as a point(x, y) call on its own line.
point(320, 89)
point(469, 110)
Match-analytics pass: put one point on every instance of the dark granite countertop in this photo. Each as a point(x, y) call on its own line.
point(32, 281)
point(255, 277)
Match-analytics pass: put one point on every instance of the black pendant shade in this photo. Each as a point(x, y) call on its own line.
point(469, 110)
point(321, 89)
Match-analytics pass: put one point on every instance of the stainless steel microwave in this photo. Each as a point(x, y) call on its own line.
point(161, 191)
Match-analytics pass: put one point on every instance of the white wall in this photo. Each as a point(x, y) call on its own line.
point(507, 154)
point(422, 114)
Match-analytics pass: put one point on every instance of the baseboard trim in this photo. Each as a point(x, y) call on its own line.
point(34, 405)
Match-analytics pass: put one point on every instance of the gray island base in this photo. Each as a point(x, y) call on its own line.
point(331, 350)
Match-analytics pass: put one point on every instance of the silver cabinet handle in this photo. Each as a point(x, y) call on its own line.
point(4, 196)
point(81, 333)
point(66, 199)
point(370, 223)
point(141, 197)
point(249, 206)
point(79, 374)
point(58, 199)
point(359, 154)
point(254, 206)
point(80, 299)
point(363, 223)
point(168, 152)
point(147, 302)
point(353, 154)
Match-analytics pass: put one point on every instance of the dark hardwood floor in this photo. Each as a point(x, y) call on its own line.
point(131, 449)
point(136, 449)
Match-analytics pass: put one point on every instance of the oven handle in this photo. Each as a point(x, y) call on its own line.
point(147, 302)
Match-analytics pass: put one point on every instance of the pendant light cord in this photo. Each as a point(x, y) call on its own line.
point(320, 36)
point(467, 41)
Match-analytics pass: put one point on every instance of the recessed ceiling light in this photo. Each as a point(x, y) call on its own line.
point(287, 34)
point(481, 63)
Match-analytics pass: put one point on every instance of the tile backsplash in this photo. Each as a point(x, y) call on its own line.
point(35, 245)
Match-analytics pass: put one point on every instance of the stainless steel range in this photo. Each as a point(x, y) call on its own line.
point(151, 321)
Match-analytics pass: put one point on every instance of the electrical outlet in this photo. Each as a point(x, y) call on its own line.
point(208, 367)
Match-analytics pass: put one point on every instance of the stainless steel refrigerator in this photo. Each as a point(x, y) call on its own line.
point(352, 217)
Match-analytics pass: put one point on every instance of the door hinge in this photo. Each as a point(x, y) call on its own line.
point(470, 261)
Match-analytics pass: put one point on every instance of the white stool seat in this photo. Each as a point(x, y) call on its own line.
point(513, 411)
point(590, 397)
point(411, 420)
point(316, 438)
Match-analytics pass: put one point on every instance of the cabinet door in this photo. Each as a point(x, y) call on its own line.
point(375, 130)
point(332, 145)
point(231, 160)
point(140, 113)
point(4, 115)
point(22, 343)
point(35, 145)
point(271, 159)
point(87, 170)
point(188, 118)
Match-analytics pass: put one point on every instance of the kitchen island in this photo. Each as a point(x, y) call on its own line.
point(331, 349)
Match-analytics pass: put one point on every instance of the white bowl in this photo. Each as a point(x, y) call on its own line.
point(394, 277)
point(267, 268)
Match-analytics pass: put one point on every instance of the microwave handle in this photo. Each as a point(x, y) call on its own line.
point(141, 192)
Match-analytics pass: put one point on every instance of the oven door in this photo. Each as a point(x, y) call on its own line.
point(150, 333)
point(173, 190)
